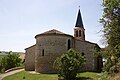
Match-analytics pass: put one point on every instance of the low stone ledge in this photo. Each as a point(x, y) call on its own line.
point(16, 68)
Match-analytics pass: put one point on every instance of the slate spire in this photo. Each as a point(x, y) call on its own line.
point(79, 22)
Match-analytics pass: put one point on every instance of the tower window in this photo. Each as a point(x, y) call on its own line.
point(76, 33)
point(79, 33)
point(43, 52)
point(68, 44)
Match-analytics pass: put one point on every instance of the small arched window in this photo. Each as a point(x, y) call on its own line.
point(79, 33)
point(76, 33)
point(68, 44)
point(43, 52)
point(82, 54)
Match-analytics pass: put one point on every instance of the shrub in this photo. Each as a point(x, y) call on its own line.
point(68, 64)
point(10, 61)
point(113, 61)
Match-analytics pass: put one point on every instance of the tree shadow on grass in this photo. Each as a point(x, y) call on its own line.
point(83, 78)
point(79, 78)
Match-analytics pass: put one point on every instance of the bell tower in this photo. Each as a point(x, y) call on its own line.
point(79, 31)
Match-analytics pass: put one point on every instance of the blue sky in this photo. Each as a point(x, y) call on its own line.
point(21, 20)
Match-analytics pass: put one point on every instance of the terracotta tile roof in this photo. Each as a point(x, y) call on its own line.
point(30, 46)
point(53, 31)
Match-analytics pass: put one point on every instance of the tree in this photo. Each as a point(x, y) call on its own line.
point(111, 22)
point(10, 61)
point(111, 30)
point(68, 64)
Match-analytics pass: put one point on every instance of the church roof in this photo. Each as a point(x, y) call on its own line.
point(79, 22)
point(53, 31)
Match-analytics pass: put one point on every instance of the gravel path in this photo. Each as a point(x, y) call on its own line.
point(10, 73)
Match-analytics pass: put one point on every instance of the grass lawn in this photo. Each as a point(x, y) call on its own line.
point(23, 75)
point(92, 76)
point(28, 76)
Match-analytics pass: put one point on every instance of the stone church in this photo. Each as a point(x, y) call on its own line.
point(51, 44)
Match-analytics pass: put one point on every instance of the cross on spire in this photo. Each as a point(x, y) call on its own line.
point(79, 7)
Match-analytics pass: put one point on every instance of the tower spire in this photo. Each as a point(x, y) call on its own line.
point(79, 31)
point(79, 22)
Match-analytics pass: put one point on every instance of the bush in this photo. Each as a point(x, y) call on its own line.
point(68, 64)
point(10, 61)
point(115, 68)
point(113, 61)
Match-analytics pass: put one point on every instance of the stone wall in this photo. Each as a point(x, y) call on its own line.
point(87, 48)
point(53, 46)
point(30, 58)
point(41, 56)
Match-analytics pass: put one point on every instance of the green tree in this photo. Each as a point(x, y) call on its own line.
point(111, 30)
point(69, 64)
point(10, 61)
point(111, 22)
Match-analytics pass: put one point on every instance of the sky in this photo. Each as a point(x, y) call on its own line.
point(21, 20)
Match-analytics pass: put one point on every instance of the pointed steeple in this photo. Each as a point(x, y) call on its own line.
point(79, 31)
point(79, 22)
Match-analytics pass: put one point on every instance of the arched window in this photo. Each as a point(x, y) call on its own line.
point(82, 54)
point(43, 52)
point(79, 33)
point(76, 33)
point(68, 44)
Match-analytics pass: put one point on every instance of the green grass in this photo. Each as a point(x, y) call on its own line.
point(2, 72)
point(28, 76)
point(91, 76)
